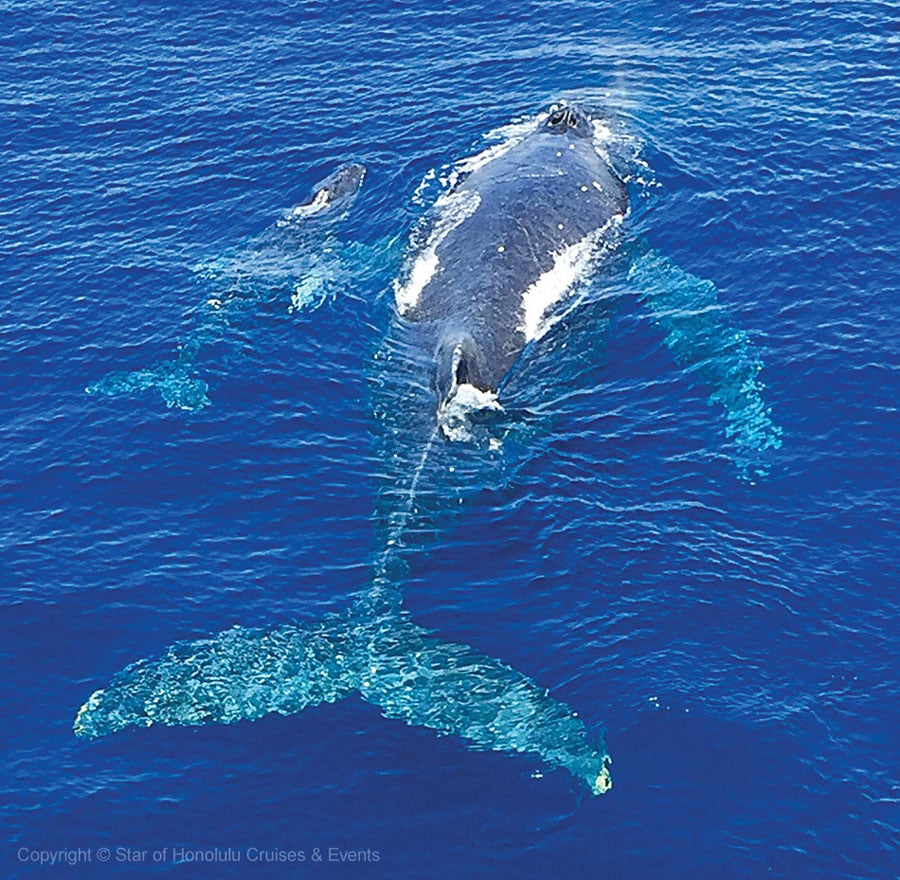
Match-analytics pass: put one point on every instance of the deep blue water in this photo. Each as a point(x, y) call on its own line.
point(736, 638)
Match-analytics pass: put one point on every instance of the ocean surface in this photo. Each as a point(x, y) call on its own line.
point(731, 630)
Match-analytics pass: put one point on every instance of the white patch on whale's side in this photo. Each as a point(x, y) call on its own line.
point(452, 209)
point(320, 201)
point(569, 266)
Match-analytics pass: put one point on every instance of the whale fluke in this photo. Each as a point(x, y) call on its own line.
point(238, 674)
point(172, 379)
point(384, 657)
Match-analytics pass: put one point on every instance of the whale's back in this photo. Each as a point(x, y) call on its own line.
point(510, 241)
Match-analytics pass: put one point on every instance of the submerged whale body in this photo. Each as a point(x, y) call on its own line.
point(506, 246)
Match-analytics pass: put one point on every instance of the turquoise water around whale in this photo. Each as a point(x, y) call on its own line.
point(733, 635)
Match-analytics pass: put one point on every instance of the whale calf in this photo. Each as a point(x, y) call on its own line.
point(298, 253)
point(330, 194)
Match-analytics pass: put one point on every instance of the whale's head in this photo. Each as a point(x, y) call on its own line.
point(465, 395)
point(568, 119)
point(344, 183)
point(335, 192)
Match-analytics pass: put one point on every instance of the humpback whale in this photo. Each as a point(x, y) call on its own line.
point(506, 246)
point(499, 259)
point(329, 194)
point(298, 253)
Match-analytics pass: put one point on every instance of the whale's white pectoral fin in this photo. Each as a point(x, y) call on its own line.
point(243, 674)
point(340, 269)
point(700, 337)
point(319, 284)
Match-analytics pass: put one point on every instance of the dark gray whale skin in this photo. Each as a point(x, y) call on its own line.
point(548, 192)
point(335, 191)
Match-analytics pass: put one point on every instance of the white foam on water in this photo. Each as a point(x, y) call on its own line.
point(501, 140)
point(418, 196)
point(569, 266)
point(453, 415)
point(611, 138)
point(602, 133)
point(452, 209)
